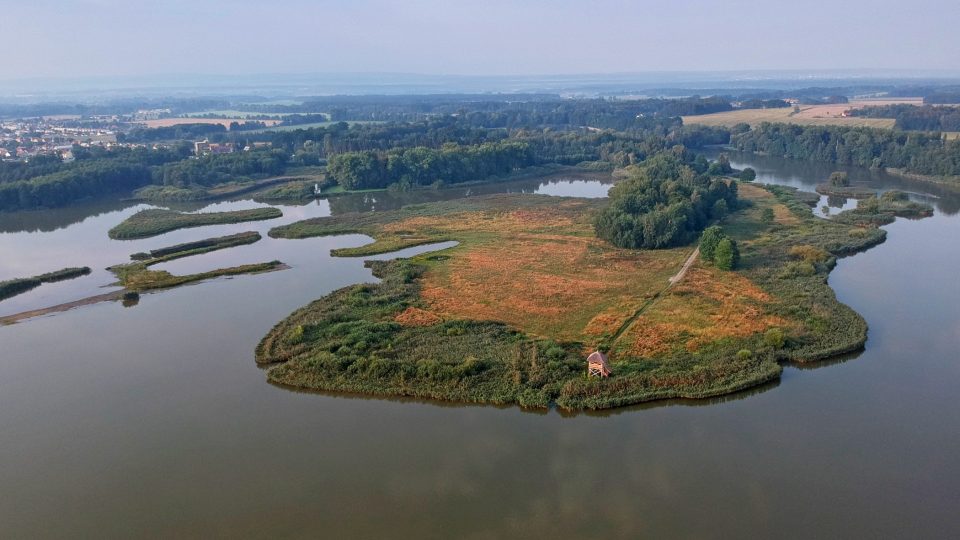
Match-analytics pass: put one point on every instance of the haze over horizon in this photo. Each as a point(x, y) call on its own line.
point(112, 38)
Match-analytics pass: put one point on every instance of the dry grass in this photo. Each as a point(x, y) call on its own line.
point(531, 262)
point(809, 115)
point(413, 316)
point(539, 270)
point(783, 215)
point(708, 305)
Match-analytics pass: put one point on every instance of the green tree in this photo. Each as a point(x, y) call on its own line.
point(839, 179)
point(767, 216)
point(726, 255)
point(748, 175)
point(709, 240)
point(720, 209)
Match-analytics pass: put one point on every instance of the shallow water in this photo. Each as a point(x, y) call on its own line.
point(155, 421)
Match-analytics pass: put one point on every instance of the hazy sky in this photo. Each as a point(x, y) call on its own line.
point(133, 37)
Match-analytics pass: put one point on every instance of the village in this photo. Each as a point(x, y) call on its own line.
point(24, 138)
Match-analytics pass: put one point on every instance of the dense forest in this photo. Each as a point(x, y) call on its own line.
point(914, 152)
point(168, 133)
point(429, 140)
point(665, 202)
point(102, 173)
point(216, 169)
point(423, 166)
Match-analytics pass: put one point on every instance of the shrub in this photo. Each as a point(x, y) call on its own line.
point(775, 338)
point(767, 216)
point(894, 196)
point(748, 175)
point(727, 256)
point(709, 240)
point(808, 253)
point(839, 179)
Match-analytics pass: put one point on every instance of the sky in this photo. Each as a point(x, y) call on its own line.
point(81, 38)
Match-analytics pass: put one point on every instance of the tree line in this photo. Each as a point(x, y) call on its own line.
point(915, 152)
point(913, 118)
point(408, 167)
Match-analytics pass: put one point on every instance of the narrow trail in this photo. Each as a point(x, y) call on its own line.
point(676, 278)
point(686, 266)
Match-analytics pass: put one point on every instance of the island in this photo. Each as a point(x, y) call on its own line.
point(510, 314)
point(156, 221)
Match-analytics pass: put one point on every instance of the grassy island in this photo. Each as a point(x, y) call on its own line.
point(137, 276)
point(13, 287)
point(155, 221)
point(197, 247)
point(509, 314)
point(851, 192)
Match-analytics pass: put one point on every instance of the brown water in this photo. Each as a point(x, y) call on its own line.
point(154, 420)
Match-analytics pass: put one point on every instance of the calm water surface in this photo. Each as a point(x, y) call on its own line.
point(154, 421)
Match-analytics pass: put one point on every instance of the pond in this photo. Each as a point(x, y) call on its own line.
point(154, 420)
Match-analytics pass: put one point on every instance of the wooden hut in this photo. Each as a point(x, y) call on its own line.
point(597, 365)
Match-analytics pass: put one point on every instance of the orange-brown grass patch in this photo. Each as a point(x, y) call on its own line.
point(607, 323)
point(708, 305)
point(413, 316)
point(783, 215)
point(753, 192)
point(540, 270)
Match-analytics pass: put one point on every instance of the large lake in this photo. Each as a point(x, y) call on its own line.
point(153, 420)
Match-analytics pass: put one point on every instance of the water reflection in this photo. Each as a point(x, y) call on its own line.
point(579, 184)
point(805, 175)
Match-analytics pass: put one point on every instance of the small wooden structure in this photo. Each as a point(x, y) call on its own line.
point(597, 365)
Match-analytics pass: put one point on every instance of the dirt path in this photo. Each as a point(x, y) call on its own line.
point(686, 266)
point(676, 278)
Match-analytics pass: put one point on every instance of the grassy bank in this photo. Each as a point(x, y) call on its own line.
point(138, 277)
point(13, 287)
point(166, 194)
point(508, 315)
point(951, 182)
point(157, 221)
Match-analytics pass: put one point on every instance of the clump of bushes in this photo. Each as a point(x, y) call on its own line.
point(717, 248)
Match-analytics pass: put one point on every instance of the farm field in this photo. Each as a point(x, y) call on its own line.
point(809, 115)
point(167, 122)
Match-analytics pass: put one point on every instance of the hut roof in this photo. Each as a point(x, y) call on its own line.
point(597, 356)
